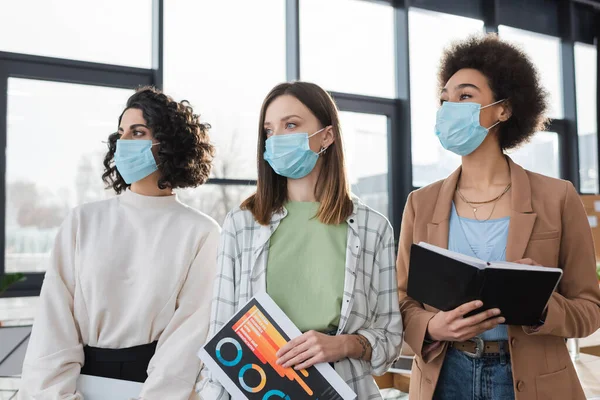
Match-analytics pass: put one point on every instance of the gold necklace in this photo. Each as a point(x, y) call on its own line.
point(492, 200)
point(475, 204)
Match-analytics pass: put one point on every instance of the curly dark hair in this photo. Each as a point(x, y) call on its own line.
point(185, 153)
point(511, 75)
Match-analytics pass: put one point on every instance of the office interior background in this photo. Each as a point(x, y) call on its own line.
point(67, 68)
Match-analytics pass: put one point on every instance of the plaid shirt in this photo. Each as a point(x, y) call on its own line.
point(370, 300)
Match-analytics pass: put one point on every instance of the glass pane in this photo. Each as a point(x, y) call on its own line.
point(544, 51)
point(227, 79)
point(587, 123)
point(348, 46)
point(109, 31)
point(9, 387)
point(430, 161)
point(365, 141)
point(216, 200)
point(53, 160)
point(18, 311)
point(539, 155)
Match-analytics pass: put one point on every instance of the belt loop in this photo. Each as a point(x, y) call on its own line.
point(503, 349)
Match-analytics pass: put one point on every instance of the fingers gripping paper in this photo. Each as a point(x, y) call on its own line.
point(242, 356)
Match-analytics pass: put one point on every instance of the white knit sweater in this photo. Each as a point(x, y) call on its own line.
point(125, 272)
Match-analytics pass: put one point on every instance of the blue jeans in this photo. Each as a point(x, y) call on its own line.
point(466, 378)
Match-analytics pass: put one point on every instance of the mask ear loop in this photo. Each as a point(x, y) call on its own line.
point(156, 144)
point(319, 131)
point(323, 149)
point(488, 129)
point(489, 105)
point(493, 104)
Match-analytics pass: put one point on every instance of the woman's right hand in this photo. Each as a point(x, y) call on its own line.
point(450, 326)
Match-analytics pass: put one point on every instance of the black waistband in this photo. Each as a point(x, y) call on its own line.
point(128, 354)
point(130, 364)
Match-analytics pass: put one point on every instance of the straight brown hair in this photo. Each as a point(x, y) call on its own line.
point(331, 190)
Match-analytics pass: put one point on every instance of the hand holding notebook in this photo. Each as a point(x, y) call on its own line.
point(446, 280)
point(454, 326)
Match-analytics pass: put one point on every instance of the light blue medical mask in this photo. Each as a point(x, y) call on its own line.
point(458, 129)
point(290, 155)
point(134, 159)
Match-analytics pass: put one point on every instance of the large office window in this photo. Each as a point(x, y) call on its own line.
point(587, 122)
point(430, 161)
point(225, 70)
point(544, 52)
point(109, 31)
point(55, 148)
point(348, 46)
point(366, 148)
point(216, 200)
point(541, 153)
point(69, 67)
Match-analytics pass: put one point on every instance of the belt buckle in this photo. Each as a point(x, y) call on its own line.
point(479, 347)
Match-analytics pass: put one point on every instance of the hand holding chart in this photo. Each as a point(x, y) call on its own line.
point(242, 356)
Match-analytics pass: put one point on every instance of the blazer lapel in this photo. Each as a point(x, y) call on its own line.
point(437, 229)
point(522, 217)
point(437, 234)
point(519, 232)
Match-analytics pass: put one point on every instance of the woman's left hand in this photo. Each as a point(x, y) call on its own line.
point(312, 348)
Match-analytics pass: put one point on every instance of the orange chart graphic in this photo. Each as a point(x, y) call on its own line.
point(264, 340)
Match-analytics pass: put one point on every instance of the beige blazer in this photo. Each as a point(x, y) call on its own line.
point(547, 224)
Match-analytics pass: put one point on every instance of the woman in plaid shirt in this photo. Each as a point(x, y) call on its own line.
point(326, 258)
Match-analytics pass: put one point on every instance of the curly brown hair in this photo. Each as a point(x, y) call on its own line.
point(511, 75)
point(185, 153)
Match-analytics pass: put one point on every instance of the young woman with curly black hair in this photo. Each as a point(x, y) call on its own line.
point(491, 208)
point(127, 293)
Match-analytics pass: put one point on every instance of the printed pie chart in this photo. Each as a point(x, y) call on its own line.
point(263, 378)
point(277, 394)
point(238, 357)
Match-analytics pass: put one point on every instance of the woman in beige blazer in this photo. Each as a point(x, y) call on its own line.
point(492, 101)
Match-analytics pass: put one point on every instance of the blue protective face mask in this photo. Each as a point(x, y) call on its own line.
point(458, 129)
point(290, 155)
point(134, 159)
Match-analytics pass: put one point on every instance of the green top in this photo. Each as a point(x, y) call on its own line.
point(305, 270)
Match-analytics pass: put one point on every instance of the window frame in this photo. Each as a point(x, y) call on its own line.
point(16, 65)
point(571, 20)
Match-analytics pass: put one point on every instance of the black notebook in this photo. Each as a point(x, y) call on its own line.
point(444, 279)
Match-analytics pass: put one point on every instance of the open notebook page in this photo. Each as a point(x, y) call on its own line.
point(522, 267)
point(472, 261)
point(475, 262)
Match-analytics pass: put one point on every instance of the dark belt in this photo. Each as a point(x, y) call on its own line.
point(129, 363)
point(476, 347)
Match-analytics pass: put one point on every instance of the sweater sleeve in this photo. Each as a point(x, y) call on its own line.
point(55, 353)
point(173, 370)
